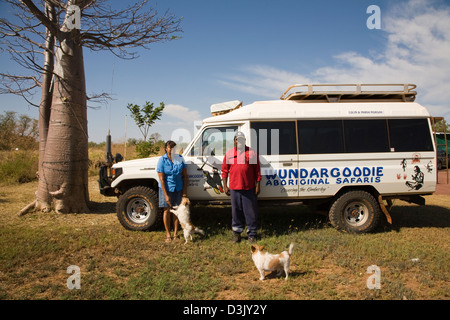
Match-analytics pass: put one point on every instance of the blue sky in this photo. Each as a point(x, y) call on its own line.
point(254, 49)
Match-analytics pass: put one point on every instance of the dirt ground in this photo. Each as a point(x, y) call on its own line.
point(442, 187)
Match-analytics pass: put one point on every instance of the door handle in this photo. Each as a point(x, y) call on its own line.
point(287, 164)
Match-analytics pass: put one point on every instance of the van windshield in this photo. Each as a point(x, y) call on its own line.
point(214, 141)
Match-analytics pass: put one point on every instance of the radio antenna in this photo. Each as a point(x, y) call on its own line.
point(111, 91)
point(108, 156)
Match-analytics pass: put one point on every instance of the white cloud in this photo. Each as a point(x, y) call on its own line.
point(177, 123)
point(264, 81)
point(417, 51)
point(182, 113)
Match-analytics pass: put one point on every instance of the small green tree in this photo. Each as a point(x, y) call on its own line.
point(145, 117)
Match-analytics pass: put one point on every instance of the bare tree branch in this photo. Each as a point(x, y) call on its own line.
point(41, 17)
point(19, 85)
point(103, 28)
point(132, 27)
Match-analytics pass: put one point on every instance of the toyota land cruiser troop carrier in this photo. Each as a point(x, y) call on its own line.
point(347, 148)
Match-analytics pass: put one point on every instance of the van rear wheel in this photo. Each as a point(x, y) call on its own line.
point(355, 211)
point(138, 210)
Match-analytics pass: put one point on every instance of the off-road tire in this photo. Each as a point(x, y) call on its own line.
point(137, 209)
point(355, 211)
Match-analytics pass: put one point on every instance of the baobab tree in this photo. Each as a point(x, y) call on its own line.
point(47, 38)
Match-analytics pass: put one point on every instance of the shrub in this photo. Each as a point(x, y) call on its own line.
point(18, 166)
point(19, 132)
point(148, 148)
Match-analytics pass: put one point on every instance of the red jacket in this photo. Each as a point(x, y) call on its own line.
point(242, 168)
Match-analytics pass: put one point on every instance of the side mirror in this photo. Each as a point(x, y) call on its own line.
point(118, 157)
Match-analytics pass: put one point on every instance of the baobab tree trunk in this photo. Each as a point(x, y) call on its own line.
point(63, 178)
point(46, 100)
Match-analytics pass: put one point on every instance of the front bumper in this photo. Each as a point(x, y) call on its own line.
point(104, 182)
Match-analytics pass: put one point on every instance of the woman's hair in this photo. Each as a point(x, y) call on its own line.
point(169, 143)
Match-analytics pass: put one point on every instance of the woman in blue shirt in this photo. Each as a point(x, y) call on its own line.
point(172, 185)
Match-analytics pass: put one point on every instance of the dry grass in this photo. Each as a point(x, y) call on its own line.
point(36, 249)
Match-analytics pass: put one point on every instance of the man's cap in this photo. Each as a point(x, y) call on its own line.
point(239, 134)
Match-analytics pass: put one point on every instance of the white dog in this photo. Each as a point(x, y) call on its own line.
point(184, 216)
point(265, 261)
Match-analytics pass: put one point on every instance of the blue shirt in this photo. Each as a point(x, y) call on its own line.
point(172, 172)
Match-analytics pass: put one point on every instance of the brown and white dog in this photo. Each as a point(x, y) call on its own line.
point(184, 216)
point(265, 261)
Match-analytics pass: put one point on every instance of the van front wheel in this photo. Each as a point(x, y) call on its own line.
point(137, 209)
point(355, 211)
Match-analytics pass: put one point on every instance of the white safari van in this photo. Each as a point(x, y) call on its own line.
point(346, 148)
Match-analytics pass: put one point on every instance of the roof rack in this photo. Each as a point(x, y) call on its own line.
point(225, 107)
point(351, 92)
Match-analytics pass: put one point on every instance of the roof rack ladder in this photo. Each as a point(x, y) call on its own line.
point(435, 121)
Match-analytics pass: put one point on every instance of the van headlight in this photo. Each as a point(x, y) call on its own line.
point(115, 172)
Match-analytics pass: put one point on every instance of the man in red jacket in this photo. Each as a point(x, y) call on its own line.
point(241, 176)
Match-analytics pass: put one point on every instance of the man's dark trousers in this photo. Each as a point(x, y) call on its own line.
point(244, 203)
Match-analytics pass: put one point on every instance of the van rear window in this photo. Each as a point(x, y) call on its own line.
point(410, 135)
point(366, 136)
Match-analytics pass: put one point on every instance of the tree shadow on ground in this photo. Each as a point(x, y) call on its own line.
point(272, 221)
point(102, 207)
point(419, 217)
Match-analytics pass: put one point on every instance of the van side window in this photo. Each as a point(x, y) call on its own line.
point(410, 135)
point(214, 141)
point(274, 137)
point(366, 136)
point(320, 136)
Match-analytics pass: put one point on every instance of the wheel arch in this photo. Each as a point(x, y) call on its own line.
point(128, 184)
point(368, 188)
